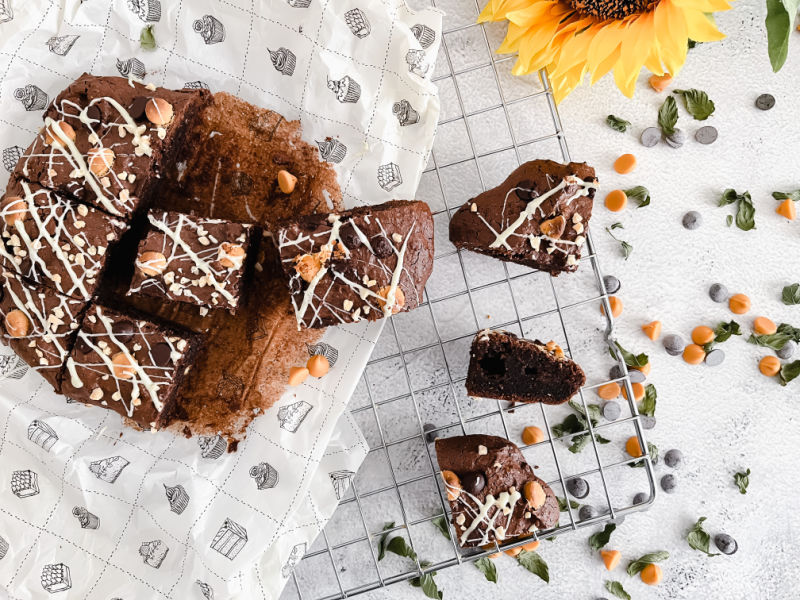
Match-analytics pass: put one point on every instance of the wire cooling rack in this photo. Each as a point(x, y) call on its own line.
point(413, 391)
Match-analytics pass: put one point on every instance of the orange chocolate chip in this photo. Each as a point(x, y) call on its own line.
point(638, 391)
point(769, 366)
point(616, 306)
point(702, 335)
point(651, 574)
point(609, 391)
point(554, 227)
point(625, 164)
point(286, 181)
point(764, 326)
point(787, 209)
point(453, 484)
point(17, 324)
point(611, 558)
point(534, 494)
point(158, 111)
point(297, 375)
point(532, 435)
point(52, 136)
point(13, 209)
point(739, 304)
point(660, 82)
point(318, 365)
point(694, 354)
point(652, 330)
point(399, 298)
point(529, 547)
point(151, 263)
point(616, 200)
point(633, 447)
point(124, 366)
point(100, 161)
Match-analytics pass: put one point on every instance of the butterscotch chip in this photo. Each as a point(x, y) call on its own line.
point(158, 111)
point(554, 227)
point(124, 365)
point(534, 494)
point(13, 209)
point(17, 324)
point(308, 265)
point(151, 263)
point(297, 375)
point(231, 256)
point(318, 365)
point(453, 484)
point(399, 298)
point(286, 181)
point(54, 138)
point(100, 161)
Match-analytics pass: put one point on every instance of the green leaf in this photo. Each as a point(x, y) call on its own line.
point(486, 566)
point(789, 371)
point(397, 545)
point(615, 587)
point(640, 195)
point(562, 504)
point(774, 341)
point(146, 38)
point(635, 361)
point(428, 585)
point(617, 225)
point(382, 541)
point(579, 442)
point(729, 196)
point(779, 23)
point(729, 220)
point(745, 211)
point(697, 102)
point(698, 538)
point(742, 480)
point(626, 248)
point(648, 404)
point(601, 538)
point(668, 116)
point(618, 124)
point(791, 294)
point(652, 450)
point(795, 195)
point(535, 564)
point(724, 331)
point(792, 332)
point(635, 567)
point(441, 524)
point(571, 424)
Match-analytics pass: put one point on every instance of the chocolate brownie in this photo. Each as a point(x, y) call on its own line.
point(129, 364)
point(537, 217)
point(55, 241)
point(193, 259)
point(365, 263)
point(106, 140)
point(504, 366)
point(493, 492)
point(38, 324)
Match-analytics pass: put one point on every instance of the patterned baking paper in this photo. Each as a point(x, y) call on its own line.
point(91, 509)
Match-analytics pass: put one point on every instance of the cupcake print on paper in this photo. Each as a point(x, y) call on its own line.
point(332, 150)
point(31, 97)
point(210, 29)
point(283, 60)
point(345, 89)
point(148, 11)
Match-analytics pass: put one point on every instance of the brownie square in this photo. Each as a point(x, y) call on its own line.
point(107, 139)
point(55, 241)
point(365, 263)
point(538, 217)
point(193, 259)
point(38, 324)
point(129, 364)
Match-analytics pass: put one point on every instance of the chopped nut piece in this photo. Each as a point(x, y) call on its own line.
point(554, 228)
point(151, 263)
point(158, 111)
point(453, 485)
point(308, 265)
point(56, 131)
point(17, 324)
point(534, 494)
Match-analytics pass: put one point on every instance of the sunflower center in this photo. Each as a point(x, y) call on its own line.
point(611, 9)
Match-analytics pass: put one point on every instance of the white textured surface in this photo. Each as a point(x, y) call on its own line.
point(723, 419)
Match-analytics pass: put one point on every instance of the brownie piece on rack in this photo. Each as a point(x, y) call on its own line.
point(106, 140)
point(366, 263)
point(55, 241)
point(537, 217)
point(129, 364)
point(493, 492)
point(193, 259)
point(38, 324)
point(504, 366)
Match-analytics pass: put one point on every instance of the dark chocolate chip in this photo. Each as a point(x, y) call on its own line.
point(123, 330)
point(94, 113)
point(473, 482)
point(349, 236)
point(525, 190)
point(161, 353)
point(381, 246)
point(136, 109)
point(82, 345)
point(765, 101)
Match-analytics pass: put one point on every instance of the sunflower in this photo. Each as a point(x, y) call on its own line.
point(571, 38)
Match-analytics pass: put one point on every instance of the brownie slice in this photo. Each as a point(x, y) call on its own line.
point(366, 263)
point(193, 259)
point(129, 364)
point(493, 493)
point(55, 241)
point(504, 366)
point(537, 217)
point(38, 324)
point(106, 140)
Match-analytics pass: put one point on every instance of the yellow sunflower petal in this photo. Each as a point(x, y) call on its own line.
point(672, 34)
point(701, 28)
point(636, 47)
point(705, 6)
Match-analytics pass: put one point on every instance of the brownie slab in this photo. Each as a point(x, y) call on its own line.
point(38, 324)
point(537, 217)
point(365, 263)
point(493, 492)
point(506, 367)
point(128, 364)
point(55, 241)
point(193, 259)
point(106, 140)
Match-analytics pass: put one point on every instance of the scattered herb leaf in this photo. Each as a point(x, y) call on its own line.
point(146, 38)
point(697, 103)
point(729, 220)
point(601, 538)
point(745, 211)
point(397, 545)
point(792, 332)
point(635, 567)
point(617, 124)
point(486, 566)
point(635, 361)
point(774, 341)
point(617, 225)
point(427, 583)
point(648, 404)
point(780, 23)
point(795, 195)
point(615, 587)
point(640, 195)
point(562, 504)
point(535, 564)
point(742, 480)
point(441, 524)
point(668, 116)
point(652, 450)
point(698, 538)
point(791, 294)
point(382, 541)
point(724, 331)
point(576, 423)
point(789, 371)
point(626, 248)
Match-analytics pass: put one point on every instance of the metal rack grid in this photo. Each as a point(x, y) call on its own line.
point(400, 481)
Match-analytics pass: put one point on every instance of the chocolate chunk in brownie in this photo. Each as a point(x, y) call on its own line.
point(537, 217)
point(193, 259)
point(106, 140)
point(504, 366)
point(55, 241)
point(493, 492)
point(128, 364)
point(365, 263)
point(38, 324)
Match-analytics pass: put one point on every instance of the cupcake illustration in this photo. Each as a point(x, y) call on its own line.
point(299, 3)
point(424, 34)
point(265, 475)
point(86, 519)
point(229, 539)
point(3, 548)
point(11, 155)
point(41, 434)
point(131, 67)
point(206, 590)
point(62, 44)
point(326, 350)
point(283, 60)
point(6, 14)
point(108, 469)
point(210, 29)
point(345, 89)
point(341, 482)
point(212, 446)
point(148, 11)
point(405, 114)
point(177, 497)
point(357, 22)
point(332, 150)
point(290, 417)
point(153, 553)
point(195, 85)
point(32, 97)
point(417, 63)
point(298, 550)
